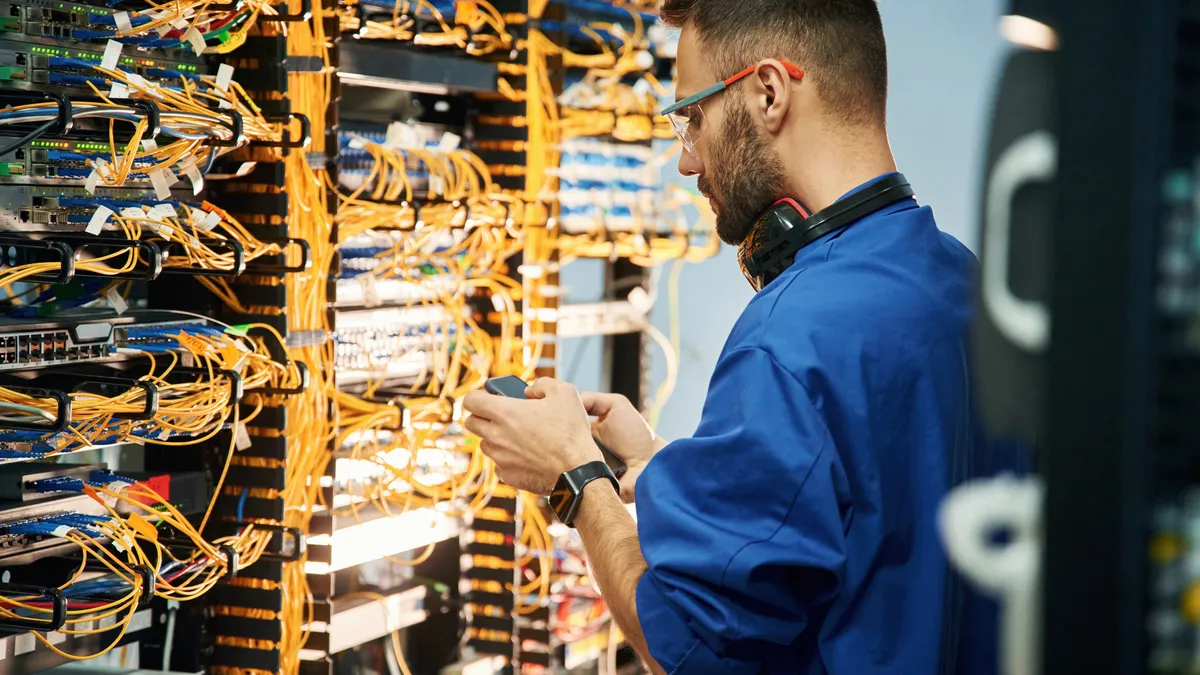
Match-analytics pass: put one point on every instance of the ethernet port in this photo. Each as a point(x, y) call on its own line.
point(20, 154)
point(20, 59)
point(40, 155)
point(13, 10)
point(46, 30)
point(39, 201)
point(40, 171)
point(25, 215)
point(53, 218)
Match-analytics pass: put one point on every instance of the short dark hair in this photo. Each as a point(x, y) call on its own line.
point(839, 43)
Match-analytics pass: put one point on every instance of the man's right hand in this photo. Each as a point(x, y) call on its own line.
point(622, 428)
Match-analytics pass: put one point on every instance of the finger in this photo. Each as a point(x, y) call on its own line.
point(483, 404)
point(543, 387)
point(597, 404)
point(481, 427)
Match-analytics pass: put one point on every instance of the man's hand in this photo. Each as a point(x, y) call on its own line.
point(533, 441)
point(623, 429)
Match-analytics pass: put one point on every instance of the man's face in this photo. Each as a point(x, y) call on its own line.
point(737, 166)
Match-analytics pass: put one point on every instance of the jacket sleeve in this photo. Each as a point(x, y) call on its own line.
point(742, 526)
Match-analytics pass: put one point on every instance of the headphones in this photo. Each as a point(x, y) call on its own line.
point(786, 227)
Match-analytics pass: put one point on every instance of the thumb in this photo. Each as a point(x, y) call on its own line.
point(596, 404)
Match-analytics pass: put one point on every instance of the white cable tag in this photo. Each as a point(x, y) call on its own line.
point(118, 303)
point(400, 135)
point(179, 23)
point(165, 210)
point(210, 221)
point(449, 142)
point(112, 55)
point(188, 168)
point(165, 231)
point(245, 169)
point(224, 76)
point(196, 39)
point(369, 290)
point(357, 142)
point(162, 179)
point(241, 437)
point(124, 25)
point(165, 434)
point(498, 303)
point(165, 28)
point(186, 360)
point(132, 212)
point(99, 218)
point(92, 181)
point(137, 81)
point(149, 145)
point(224, 105)
point(118, 90)
point(61, 531)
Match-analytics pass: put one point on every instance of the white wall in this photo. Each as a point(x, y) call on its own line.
point(944, 58)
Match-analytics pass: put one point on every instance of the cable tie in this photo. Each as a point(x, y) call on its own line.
point(118, 303)
point(112, 55)
point(99, 218)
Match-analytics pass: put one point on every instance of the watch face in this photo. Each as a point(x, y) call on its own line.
point(560, 498)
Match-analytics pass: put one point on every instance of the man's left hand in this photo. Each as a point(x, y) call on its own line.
point(533, 441)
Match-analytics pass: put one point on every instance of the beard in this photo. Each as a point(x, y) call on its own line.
point(747, 174)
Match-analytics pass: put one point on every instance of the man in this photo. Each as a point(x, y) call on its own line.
point(795, 531)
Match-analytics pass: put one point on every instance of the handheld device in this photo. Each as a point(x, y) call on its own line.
point(512, 386)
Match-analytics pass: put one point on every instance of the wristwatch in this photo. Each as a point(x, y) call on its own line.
point(568, 492)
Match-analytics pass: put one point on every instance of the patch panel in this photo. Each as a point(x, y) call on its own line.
point(391, 344)
point(34, 208)
point(26, 343)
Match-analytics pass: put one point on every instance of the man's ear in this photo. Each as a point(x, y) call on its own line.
point(772, 94)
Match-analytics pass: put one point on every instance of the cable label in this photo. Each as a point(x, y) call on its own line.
point(99, 218)
point(193, 343)
point(194, 37)
point(118, 303)
point(224, 76)
point(241, 437)
point(163, 179)
point(149, 145)
point(92, 181)
point(112, 55)
point(124, 25)
point(188, 167)
point(118, 90)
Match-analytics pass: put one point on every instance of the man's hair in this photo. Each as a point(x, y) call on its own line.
point(839, 44)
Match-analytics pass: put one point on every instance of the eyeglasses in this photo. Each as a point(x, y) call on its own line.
point(687, 116)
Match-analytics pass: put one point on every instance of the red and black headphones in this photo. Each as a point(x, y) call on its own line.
point(786, 227)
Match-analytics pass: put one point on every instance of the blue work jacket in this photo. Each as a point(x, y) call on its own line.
point(795, 532)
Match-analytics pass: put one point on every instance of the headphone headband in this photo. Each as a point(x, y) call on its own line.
point(786, 228)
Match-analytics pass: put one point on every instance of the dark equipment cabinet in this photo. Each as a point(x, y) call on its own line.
point(1109, 401)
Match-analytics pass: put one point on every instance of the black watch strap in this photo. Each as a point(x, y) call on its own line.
point(568, 492)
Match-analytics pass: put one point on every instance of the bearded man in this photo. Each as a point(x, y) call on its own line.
point(795, 531)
